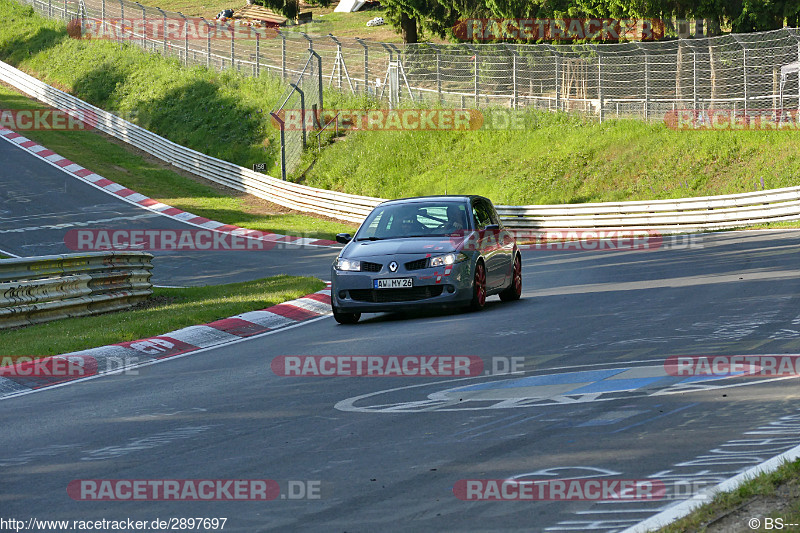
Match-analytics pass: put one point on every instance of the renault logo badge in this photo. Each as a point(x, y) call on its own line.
point(393, 266)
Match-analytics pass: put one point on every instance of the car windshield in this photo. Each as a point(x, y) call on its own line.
point(417, 219)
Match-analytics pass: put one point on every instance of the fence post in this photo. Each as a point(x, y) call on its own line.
point(514, 104)
point(744, 71)
point(477, 89)
point(50, 8)
point(185, 39)
point(233, 49)
point(164, 28)
point(302, 111)
point(366, 65)
point(646, 81)
point(65, 11)
point(338, 61)
point(144, 25)
point(439, 74)
point(283, 55)
point(694, 80)
point(208, 43)
point(103, 13)
point(389, 76)
point(282, 126)
point(319, 78)
point(258, 53)
point(600, 82)
point(121, 17)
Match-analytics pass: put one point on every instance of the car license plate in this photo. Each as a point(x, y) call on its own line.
point(396, 283)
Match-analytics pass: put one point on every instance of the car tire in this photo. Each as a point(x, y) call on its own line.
point(514, 290)
point(346, 318)
point(478, 287)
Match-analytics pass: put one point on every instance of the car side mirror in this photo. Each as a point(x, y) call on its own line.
point(343, 238)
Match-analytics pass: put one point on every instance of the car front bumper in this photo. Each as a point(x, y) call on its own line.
point(434, 287)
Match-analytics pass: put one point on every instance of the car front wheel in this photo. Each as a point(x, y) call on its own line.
point(346, 318)
point(479, 287)
point(514, 291)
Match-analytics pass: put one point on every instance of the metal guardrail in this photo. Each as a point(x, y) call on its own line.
point(40, 289)
point(687, 214)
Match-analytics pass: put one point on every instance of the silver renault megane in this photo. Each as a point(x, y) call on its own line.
point(430, 251)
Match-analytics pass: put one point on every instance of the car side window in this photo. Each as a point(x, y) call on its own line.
point(482, 215)
point(492, 213)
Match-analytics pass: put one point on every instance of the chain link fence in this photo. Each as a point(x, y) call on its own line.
point(636, 79)
point(297, 112)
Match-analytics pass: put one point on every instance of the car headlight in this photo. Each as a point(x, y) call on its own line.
point(348, 265)
point(449, 259)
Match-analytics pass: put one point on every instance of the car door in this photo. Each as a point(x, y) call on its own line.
point(488, 242)
point(506, 242)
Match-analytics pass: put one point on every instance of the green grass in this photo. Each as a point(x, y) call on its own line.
point(152, 178)
point(749, 492)
point(560, 159)
point(172, 309)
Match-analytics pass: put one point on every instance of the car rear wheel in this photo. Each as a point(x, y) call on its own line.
point(479, 288)
point(514, 291)
point(346, 318)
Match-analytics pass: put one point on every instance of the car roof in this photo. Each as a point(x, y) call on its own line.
point(440, 197)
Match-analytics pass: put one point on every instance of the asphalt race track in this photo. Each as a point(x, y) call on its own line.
point(592, 333)
point(35, 196)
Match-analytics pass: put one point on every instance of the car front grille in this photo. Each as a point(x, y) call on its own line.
point(417, 265)
point(396, 295)
point(370, 267)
